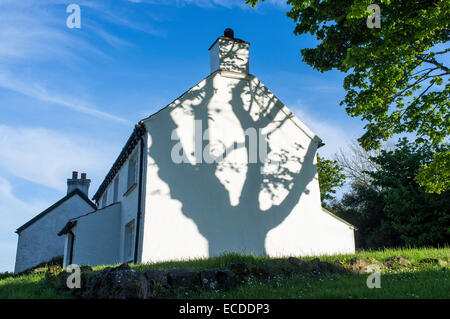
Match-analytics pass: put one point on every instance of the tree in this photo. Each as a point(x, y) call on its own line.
point(330, 177)
point(436, 183)
point(356, 163)
point(393, 209)
point(420, 218)
point(397, 76)
point(363, 206)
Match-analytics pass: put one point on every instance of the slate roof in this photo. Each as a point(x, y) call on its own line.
point(55, 205)
point(138, 132)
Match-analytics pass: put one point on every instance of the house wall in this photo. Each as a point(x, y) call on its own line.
point(39, 242)
point(96, 241)
point(128, 199)
point(197, 209)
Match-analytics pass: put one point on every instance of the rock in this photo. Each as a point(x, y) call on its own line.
point(183, 279)
point(119, 283)
point(124, 266)
point(281, 266)
point(297, 262)
point(217, 279)
point(314, 266)
point(374, 261)
point(54, 270)
point(360, 266)
point(40, 269)
point(340, 268)
point(240, 270)
point(280, 260)
point(157, 277)
point(261, 273)
point(52, 276)
point(300, 266)
point(225, 279)
point(396, 261)
point(328, 268)
point(435, 261)
point(208, 278)
point(277, 263)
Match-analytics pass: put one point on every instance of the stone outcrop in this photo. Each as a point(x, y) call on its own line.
point(397, 261)
point(434, 261)
point(122, 282)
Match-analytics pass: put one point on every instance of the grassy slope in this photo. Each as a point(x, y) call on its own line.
point(415, 281)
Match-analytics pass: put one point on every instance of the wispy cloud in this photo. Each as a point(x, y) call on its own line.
point(46, 157)
point(32, 33)
point(36, 91)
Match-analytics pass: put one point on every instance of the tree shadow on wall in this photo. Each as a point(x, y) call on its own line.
point(205, 200)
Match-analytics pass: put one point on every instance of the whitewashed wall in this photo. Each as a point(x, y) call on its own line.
point(199, 210)
point(127, 198)
point(39, 242)
point(96, 237)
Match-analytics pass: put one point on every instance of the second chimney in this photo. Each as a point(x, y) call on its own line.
point(81, 184)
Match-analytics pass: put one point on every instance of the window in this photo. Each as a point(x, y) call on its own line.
point(105, 198)
point(116, 190)
point(131, 173)
point(128, 245)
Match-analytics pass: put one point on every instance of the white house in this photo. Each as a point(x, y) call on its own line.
point(38, 240)
point(226, 167)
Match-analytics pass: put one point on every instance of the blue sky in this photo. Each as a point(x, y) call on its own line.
point(69, 98)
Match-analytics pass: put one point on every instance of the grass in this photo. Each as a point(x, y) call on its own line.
point(415, 281)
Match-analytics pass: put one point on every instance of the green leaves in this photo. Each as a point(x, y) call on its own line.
point(330, 177)
point(419, 217)
point(397, 77)
point(391, 208)
point(435, 176)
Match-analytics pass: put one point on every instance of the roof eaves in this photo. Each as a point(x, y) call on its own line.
point(55, 205)
point(67, 227)
point(339, 218)
point(73, 221)
point(132, 141)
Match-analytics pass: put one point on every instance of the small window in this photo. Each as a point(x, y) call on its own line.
point(128, 245)
point(105, 198)
point(131, 173)
point(116, 189)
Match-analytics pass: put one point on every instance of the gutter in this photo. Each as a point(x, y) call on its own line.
point(139, 210)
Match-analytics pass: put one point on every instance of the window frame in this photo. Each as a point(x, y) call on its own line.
point(116, 189)
point(131, 184)
point(128, 243)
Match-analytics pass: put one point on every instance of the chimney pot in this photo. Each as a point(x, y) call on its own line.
point(229, 33)
point(82, 184)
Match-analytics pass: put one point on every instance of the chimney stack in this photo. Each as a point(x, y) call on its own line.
point(229, 54)
point(81, 184)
